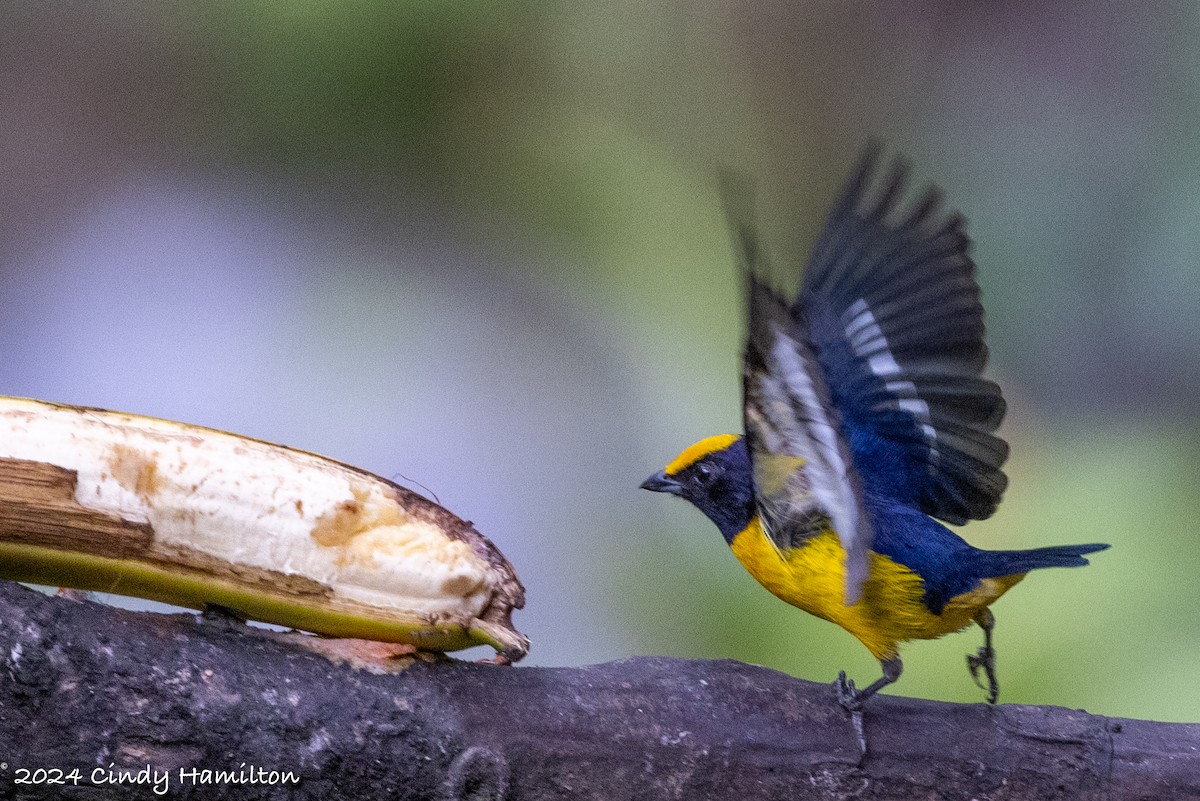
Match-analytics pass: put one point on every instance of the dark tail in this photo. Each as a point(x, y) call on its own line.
point(1004, 563)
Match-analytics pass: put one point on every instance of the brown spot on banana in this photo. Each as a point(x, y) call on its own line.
point(134, 470)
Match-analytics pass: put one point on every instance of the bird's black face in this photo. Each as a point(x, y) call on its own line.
point(718, 482)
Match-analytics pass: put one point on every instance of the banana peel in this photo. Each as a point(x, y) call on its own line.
point(114, 502)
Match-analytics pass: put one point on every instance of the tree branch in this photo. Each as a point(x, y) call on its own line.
point(84, 687)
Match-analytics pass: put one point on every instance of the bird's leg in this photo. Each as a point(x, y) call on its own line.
point(852, 698)
point(985, 657)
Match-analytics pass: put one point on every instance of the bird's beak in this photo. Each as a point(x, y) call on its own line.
point(661, 482)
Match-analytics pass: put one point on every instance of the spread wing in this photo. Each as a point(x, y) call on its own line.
point(891, 307)
point(804, 476)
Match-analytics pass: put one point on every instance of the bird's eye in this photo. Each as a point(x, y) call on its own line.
point(705, 472)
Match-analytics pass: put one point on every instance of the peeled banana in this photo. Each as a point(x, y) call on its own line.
point(120, 503)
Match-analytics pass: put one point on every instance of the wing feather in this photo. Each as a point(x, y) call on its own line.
point(804, 474)
point(891, 308)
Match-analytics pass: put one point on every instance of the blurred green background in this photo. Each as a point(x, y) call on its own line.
point(478, 245)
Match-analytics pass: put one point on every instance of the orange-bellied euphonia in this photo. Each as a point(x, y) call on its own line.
point(866, 416)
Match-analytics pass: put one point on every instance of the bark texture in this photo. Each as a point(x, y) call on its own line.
point(96, 690)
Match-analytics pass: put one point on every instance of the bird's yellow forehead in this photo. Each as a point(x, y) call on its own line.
point(694, 453)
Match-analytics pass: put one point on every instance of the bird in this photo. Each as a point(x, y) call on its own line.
point(867, 420)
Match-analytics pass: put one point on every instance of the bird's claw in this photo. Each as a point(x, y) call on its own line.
point(974, 663)
point(847, 694)
point(985, 659)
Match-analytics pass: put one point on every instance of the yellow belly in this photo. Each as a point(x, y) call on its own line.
point(813, 578)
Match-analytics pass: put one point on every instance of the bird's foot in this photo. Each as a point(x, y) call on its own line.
point(985, 659)
point(847, 695)
point(850, 699)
